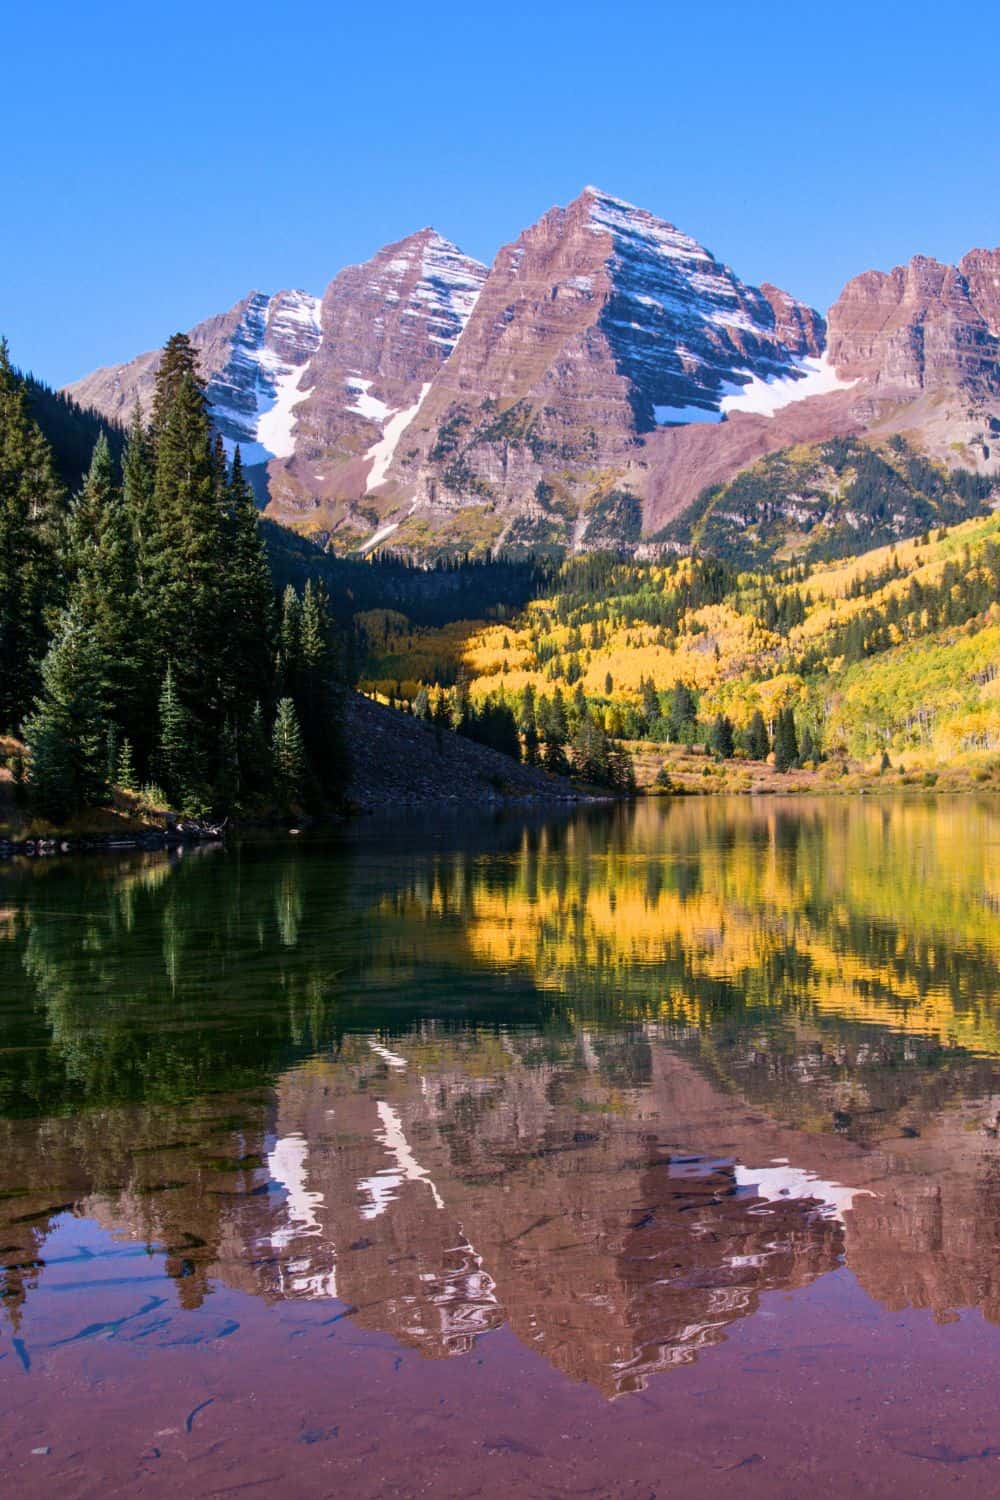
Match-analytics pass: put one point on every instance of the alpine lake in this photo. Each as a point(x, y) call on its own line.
point(646, 1150)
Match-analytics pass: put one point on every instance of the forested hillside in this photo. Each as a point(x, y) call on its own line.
point(70, 431)
point(828, 500)
point(893, 653)
point(435, 593)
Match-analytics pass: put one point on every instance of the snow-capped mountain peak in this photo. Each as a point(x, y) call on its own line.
point(254, 395)
point(684, 329)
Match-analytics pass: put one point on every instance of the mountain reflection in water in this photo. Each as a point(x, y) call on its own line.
point(604, 1081)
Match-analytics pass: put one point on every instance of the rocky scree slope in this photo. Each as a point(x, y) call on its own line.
point(398, 762)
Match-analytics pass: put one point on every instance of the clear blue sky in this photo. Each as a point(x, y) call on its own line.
point(162, 159)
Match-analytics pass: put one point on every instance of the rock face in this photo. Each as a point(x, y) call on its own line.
point(600, 324)
point(318, 390)
point(583, 392)
point(387, 328)
point(115, 389)
point(255, 392)
point(253, 359)
point(922, 326)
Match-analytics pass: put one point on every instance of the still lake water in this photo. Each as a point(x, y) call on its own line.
point(650, 1151)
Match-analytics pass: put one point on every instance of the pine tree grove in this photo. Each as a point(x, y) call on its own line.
point(140, 638)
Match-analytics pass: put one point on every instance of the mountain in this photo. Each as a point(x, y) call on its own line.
point(923, 326)
point(583, 392)
point(318, 389)
point(600, 324)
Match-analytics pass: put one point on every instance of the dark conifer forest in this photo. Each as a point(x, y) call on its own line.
point(141, 642)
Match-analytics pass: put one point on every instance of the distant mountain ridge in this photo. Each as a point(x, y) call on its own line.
point(583, 391)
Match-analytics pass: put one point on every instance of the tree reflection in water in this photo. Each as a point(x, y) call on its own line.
point(604, 1081)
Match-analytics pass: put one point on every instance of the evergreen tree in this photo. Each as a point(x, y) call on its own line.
point(249, 600)
point(319, 696)
point(111, 753)
point(554, 758)
point(137, 492)
point(494, 724)
point(441, 713)
point(422, 704)
point(557, 729)
point(683, 714)
point(758, 742)
point(256, 770)
point(720, 738)
point(786, 747)
point(178, 362)
point(578, 707)
point(526, 709)
point(29, 496)
point(621, 771)
point(177, 752)
point(461, 707)
point(228, 778)
point(289, 642)
point(591, 750)
point(288, 755)
point(100, 568)
point(650, 706)
point(67, 731)
point(125, 773)
point(185, 590)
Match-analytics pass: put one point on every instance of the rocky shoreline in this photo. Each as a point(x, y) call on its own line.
point(174, 836)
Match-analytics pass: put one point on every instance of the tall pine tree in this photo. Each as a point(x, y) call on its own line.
point(67, 733)
point(289, 755)
point(100, 568)
point(29, 498)
point(248, 662)
point(184, 584)
point(178, 753)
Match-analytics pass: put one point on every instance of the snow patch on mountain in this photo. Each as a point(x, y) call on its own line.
point(759, 395)
point(381, 453)
point(276, 423)
point(676, 416)
point(763, 396)
point(252, 399)
point(378, 536)
point(683, 328)
point(365, 404)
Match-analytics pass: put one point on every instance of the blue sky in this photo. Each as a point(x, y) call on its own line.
point(161, 160)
